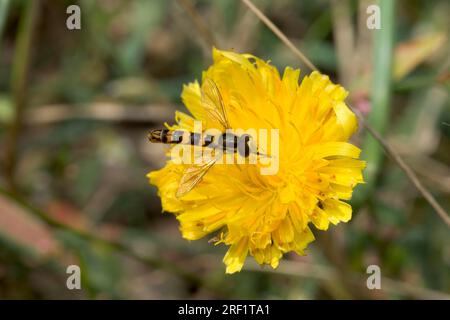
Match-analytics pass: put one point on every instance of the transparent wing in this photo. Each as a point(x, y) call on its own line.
point(193, 175)
point(213, 103)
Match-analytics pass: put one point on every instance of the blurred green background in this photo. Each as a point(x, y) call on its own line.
point(76, 105)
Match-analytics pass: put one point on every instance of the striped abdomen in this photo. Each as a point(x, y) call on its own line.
point(228, 142)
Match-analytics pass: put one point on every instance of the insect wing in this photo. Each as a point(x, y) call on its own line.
point(213, 103)
point(193, 175)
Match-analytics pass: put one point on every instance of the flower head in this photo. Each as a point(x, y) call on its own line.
point(267, 216)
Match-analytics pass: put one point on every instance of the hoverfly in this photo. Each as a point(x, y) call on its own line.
point(228, 142)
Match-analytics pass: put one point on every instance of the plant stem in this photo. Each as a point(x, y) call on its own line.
point(4, 6)
point(19, 75)
point(380, 96)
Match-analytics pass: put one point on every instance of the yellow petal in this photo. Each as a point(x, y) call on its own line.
point(235, 257)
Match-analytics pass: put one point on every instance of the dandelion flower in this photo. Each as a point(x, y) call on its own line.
point(266, 216)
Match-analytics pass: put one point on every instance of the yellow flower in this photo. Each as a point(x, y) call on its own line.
point(267, 216)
